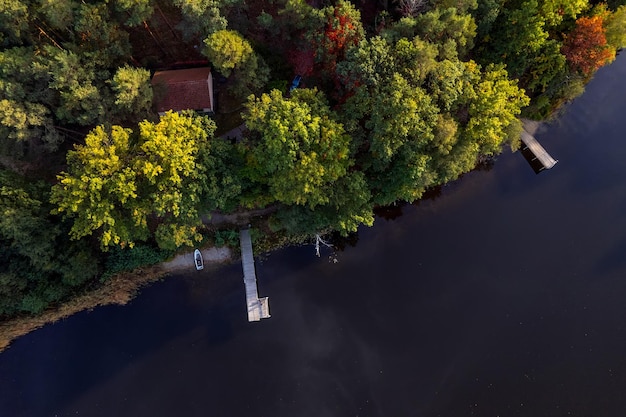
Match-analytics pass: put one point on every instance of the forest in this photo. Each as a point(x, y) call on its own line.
point(396, 97)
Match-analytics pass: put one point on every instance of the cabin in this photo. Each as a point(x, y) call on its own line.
point(184, 89)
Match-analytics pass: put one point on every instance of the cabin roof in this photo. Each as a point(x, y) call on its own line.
point(183, 89)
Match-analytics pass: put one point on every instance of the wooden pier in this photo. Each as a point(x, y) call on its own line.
point(258, 308)
point(539, 153)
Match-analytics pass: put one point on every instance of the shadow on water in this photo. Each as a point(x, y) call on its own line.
point(394, 211)
point(534, 163)
point(340, 243)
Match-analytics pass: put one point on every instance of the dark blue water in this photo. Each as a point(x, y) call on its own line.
point(504, 296)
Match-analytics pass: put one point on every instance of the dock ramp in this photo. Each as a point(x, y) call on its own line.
point(258, 308)
point(539, 154)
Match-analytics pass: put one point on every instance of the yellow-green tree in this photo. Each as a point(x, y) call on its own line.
point(168, 160)
point(615, 28)
point(494, 105)
point(125, 187)
point(133, 93)
point(227, 50)
point(100, 189)
point(553, 11)
point(230, 53)
point(298, 149)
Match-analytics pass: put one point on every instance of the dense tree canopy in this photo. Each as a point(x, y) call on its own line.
point(445, 28)
point(419, 118)
point(33, 272)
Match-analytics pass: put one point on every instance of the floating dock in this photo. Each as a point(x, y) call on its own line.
point(539, 153)
point(258, 308)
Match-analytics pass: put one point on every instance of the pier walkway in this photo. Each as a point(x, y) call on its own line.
point(538, 152)
point(258, 308)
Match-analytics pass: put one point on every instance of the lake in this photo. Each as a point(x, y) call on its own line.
point(505, 295)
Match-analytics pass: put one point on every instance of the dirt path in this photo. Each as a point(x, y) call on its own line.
point(239, 219)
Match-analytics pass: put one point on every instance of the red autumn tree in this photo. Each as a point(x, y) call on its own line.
point(342, 29)
point(585, 47)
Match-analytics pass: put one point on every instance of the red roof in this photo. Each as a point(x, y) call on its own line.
point(183, 89)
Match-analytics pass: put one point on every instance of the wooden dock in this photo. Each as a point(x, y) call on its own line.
point(539, 153)
point(258, 308)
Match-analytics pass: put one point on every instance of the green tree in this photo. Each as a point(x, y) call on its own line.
point(227, 50)
point(59, 14)
point(297, 16)
point(493, 110)
point(349, 206)
point(375, 61)
point(132, 89)
point(398, 122)
point(25, 122)
point(462, 6)
point(519, 35)
point(486, 15)
point(172, 175)
point(298, 150)
point(200, 17)
point(137, 11)
point(24, 99)
point(223, 183)
point(230, 53)
point(615, 28)
point(553, 11)
point(28, 232)
point(20, 79)
point(547, 66)
point(99, 40)
point(440, 26)
point(14, 20)
point(369, 63)
point(37, 264)
point(80, 100)
point(449, 83)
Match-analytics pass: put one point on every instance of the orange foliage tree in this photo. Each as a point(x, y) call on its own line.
point(585, 47)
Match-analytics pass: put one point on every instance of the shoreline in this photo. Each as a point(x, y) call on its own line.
point(120, 290)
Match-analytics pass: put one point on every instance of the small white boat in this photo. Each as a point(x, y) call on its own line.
point(197, 256)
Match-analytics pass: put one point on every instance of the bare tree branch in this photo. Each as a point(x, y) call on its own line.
point(411, 8)
point(319, 240)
